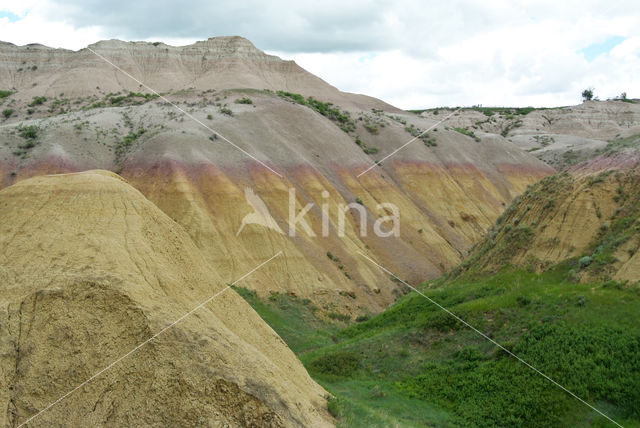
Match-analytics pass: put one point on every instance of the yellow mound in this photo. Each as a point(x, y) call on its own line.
point(89, 269)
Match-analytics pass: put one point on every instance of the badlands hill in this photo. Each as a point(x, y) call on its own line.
point(90, 269)
point(72, 111)
point(589, 215)
point(561, 137)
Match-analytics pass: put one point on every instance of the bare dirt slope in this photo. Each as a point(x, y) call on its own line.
point(89, 268)
point(449, 188)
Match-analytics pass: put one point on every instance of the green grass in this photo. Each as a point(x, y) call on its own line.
point(294, 319)
point(414, 365)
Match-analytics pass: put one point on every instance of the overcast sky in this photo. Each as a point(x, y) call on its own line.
point(413, 54)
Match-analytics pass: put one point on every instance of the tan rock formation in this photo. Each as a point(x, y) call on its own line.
point(89, 269)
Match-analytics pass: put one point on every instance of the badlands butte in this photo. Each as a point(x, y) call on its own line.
point(121, 210)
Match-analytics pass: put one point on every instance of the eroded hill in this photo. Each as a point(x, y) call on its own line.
point(561, 137)
point(89, 270)
point(590, 214)
point(73, 111)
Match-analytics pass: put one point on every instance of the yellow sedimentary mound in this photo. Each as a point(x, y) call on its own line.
point(89, 269)
point(591, 212)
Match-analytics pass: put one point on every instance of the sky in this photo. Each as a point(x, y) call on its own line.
point(411, 53)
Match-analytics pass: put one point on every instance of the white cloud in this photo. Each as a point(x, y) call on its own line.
point(35, 27)
point(410, 53)
point(528, 60)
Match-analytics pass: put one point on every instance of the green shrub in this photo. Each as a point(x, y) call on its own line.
point(99, 104)
point(373, 129)
point(294, 97)
point(468, 133)
point(343, 118)
point(370, 150)
point(244, 100)
point(37, 101)
point(227, 111)
point(29, 132)
point(342, 363)
point(333, 406)
point(441, 321)
point(7, 113)
point(585, 261)
point(5, 94)
point(122, 147)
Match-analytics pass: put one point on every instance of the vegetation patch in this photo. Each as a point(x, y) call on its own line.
point(132, 98)
point(123, 146)
point(466, 131)
point(427, 139)
point(415, 365)
point(337, 364)
point(36, 101)
point(342, 118)
point(617, 145)
point(30, 135)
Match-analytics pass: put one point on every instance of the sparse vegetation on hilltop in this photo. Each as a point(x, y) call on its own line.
point(343, 118)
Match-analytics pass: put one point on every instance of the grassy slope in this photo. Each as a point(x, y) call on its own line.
point(413, 365)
